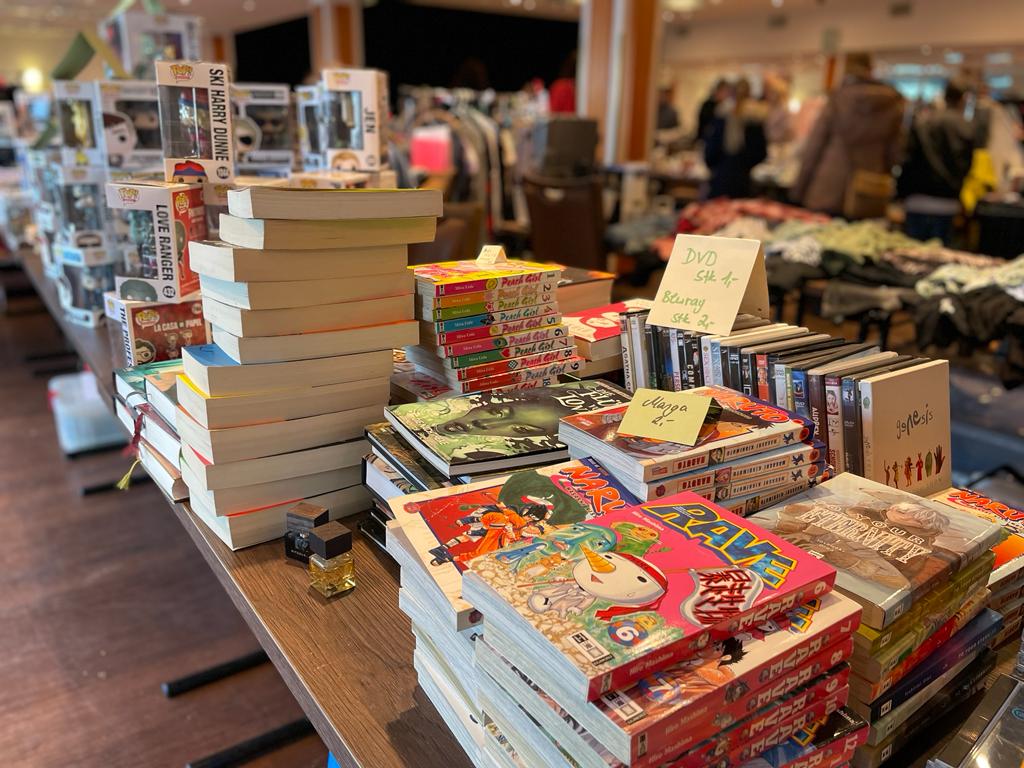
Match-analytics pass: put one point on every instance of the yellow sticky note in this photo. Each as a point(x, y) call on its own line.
point(673, 416)
point(708, 281)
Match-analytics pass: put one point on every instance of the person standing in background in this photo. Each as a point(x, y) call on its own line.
point(562, 93)
point(734, 143)
point(938, 158)
point(858, 131)
point(778, 122)
point(667, 118)
point(706, 114)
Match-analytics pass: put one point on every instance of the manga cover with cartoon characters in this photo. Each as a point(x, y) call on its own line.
point(448, 528)
point(1010, 551)
point(889, 547)
point(745, 427)
point(450, 277)
point(491, 431)
point(677, 707)
point(650, 585)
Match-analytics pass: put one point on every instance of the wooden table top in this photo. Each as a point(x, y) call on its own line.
point(347, 660)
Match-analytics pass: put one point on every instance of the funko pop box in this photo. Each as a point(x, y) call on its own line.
point(309, 119)
point(263, 125)
point(81, 221)
point(195, 121)
point(153, 331)
point(126, 120)
point(139, 39)
point(74, 104)
point(356, 111)
point(166, 216)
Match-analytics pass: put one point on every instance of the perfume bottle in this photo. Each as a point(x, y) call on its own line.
point(332, 569)
point(300, 520)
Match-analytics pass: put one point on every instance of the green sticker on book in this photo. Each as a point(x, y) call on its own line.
point(672, 416)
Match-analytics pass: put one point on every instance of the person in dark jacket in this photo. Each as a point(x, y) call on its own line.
point(940, 148)
point(858, 130)
point(709, 107)
point(734, 143)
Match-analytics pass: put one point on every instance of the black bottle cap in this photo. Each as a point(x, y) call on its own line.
point(330, 540)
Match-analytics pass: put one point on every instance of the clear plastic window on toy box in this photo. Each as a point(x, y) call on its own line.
point(76, 123)
point(142, 235)
point(133, 125)
point(82, 207)
point(187, 122)
point(344, 120)
point(82, 287)
point(263, 127)
point(157, 46)
point(311, 128)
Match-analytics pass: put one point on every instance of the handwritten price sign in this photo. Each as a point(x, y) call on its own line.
point(673, 416)
point(708, 281)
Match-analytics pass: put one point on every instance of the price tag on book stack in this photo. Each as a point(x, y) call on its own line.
point(708, 281)
point(672, 416)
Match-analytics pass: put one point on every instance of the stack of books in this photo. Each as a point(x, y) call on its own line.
point(435, 535)
point(307, 294)
point(487, 433)
point(753, 455)
point(667, 633)
point(145, 402)
point(852, 392)
point(597, 335)
point(1007, 580)
point(491, 325)
point(919, 569)
point(582, 289)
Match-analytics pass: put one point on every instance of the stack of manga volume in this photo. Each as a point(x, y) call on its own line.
point(1007, 580)
point(435, 535)
point(308, 292)
point(665, 633)
point(493, 324)
point(920, 571)
point(752, 456)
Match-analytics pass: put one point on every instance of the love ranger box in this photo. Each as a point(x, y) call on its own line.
point(162, 218)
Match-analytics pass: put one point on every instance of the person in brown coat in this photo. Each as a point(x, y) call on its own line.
point(859, 129)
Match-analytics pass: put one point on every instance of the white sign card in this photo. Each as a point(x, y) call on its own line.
point(710, 280)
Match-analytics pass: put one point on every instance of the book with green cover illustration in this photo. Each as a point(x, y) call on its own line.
point(497, 430)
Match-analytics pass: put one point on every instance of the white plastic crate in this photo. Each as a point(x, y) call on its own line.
point(82, 419)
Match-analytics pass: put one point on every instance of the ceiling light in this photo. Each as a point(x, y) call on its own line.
point(529, 4)
point(249, 5)
point(32, 79)
point(515, 2)
point(777, 3)
point(185, 2)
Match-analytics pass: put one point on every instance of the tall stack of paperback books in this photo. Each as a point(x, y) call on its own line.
point(919, 569)
point(752, 455)
point(666, 633)
point(491, 324)
point(307, 293)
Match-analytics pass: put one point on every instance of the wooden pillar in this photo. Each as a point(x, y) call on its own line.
point(616, 80)
point(336, 34)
